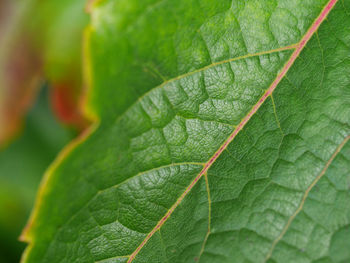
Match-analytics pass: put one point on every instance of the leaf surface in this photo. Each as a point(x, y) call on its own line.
point(222, 137)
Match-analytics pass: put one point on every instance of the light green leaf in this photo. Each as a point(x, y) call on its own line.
point(222, 137)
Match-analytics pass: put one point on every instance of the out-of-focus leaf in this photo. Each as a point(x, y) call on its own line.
point(20, 67)
point(40, 39)
point(22, 165)
point(223, 137)
point(57, 30)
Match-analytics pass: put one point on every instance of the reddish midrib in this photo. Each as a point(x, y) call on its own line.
point(274, 84)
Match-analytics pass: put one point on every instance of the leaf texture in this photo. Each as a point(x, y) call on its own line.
point(222, 137)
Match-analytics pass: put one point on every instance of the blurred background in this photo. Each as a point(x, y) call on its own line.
point(41, 88)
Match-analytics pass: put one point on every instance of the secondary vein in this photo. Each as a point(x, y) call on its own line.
point(301, 205)
point(298, 48)
point(293, 46)
point(209, 217)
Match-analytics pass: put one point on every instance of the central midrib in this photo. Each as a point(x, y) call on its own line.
point(298, 48)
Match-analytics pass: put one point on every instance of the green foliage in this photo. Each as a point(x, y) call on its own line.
point(57, 29)
point(40, 39)
point(197, 154)
point(22, 164)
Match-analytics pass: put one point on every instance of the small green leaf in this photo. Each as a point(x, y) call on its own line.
point(222, 137)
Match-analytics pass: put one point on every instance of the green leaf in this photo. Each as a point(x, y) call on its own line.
point(222, 136)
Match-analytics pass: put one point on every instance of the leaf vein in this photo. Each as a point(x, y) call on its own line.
point(292, 46)
point(298, 48)
point(209, 217)
point(305, 196)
